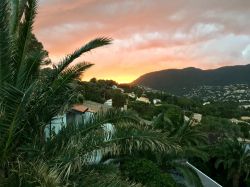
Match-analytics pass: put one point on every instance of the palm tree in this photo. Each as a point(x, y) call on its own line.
point(234, 156)
point(31, 96)
point(190, 140)
point(71, 157)
point(28, 98)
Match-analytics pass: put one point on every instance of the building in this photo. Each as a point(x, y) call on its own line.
point(77, 114)
point(206, 103)
point(245, 118)
point(143, 99)
point(109, 103)
point(196, 119)
point(156, 101)
point(131, 95)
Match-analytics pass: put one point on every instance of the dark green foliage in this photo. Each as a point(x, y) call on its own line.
point(146, 172)
point(234, 157)
point(129, 88)
point(144, 110)
point(245, 130)
point(172, 112)
point(219, 127)
point(224, 110)
point(119, 99)
point(91, 91)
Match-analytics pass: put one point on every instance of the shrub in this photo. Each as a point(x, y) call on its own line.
point(146, 172)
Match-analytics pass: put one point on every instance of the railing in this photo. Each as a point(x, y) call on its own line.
point(206, 180)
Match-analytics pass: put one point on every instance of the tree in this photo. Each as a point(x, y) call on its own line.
point(30, 97)
point(146, 172)
point(234, 156)
point(189, 139)
point(119, 99)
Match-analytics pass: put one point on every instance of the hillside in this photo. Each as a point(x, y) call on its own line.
point(177, 80)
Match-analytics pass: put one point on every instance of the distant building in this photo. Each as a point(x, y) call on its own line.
point(131, 95)
point(206, 103)
point(245, 106)
point(196, 119)
point(156, 101)
point(186, 119)
point(109, 103)
point(114, 87)
point(143, 99)
point(245, 118)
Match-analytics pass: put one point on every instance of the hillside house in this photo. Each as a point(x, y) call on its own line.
point(143, 99)
point(196, 119)
point(131, 95)
point(79, 113)
point(109, 102)
point(156, 101)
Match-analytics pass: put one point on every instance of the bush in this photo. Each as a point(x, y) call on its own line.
point(144, 110)
point(147, 173)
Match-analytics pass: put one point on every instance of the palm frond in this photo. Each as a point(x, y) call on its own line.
point(11, 122)
point(38, 173)
point(24, 38)
point(5, 44)
point(98, 42)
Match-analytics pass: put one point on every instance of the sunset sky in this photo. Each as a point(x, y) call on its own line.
point(148, 35)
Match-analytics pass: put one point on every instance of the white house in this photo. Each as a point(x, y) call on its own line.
point(196, 119)
point(143, 99)
point(206, 103)
point(131, 95)
point(156, 101)
point(77, 114)
point(81, 113)
point(109, 103)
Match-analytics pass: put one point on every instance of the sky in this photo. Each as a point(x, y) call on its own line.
point(148, 35)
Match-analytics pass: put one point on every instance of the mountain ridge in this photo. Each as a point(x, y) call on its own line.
point(175, 80)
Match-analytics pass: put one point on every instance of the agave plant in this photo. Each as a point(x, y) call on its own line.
point(30, 96)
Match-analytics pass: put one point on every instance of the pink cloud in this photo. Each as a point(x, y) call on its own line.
point(148, 35)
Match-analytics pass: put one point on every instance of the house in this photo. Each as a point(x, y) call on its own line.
point(131, 95)
point(156, 101)
point(245, 118)
point(114, 87)
point(186, 119)
point(78, 113)
point(206, 103)
point(196, 119)
point(96, 107)
point(81, 113)
point(143, 99)
point(75, 115)
point(244, 106)
point(109, 103)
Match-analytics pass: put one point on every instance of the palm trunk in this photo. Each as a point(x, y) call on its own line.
point(236, 180)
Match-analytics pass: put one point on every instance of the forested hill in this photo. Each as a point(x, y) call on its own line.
point(177, 80)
